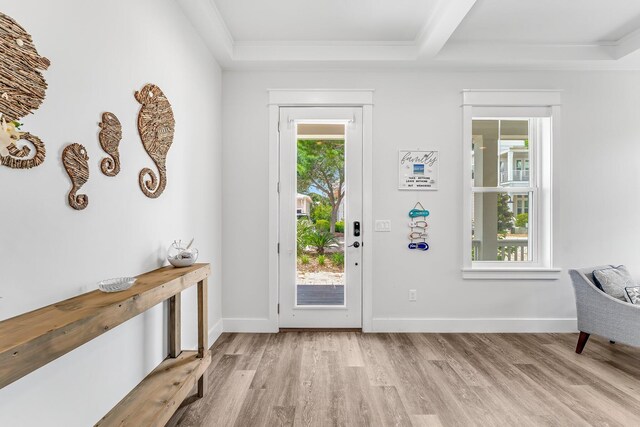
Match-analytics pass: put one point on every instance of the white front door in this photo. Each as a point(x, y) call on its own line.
point(320, 230)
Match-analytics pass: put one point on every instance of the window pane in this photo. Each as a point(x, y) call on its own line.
point(320, 202)
point(500, 228)
point(500, 153)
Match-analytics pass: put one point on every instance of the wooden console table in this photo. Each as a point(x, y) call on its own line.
point(31, 340)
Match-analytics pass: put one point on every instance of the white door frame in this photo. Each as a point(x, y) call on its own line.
point(322, 98)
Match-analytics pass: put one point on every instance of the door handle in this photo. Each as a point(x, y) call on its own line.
point(355, 244)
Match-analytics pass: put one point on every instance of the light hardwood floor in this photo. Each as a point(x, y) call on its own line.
point(354, 379)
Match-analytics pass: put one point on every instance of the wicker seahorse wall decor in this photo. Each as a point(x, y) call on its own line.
point(22, 91)
point(76, 162)
point(110, 136)
point(156, 126)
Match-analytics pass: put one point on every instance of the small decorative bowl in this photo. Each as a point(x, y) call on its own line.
point(178, 256)
point(117, 284)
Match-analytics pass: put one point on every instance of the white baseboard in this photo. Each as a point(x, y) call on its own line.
point(234, 324)
point(261, 325)
point(215, 332)
point(474, 325)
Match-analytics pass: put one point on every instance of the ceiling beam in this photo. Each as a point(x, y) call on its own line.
point(443, 22)
point(208, 22)
point(626, 45)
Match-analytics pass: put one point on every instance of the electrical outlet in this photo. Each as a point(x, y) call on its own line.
point(413, 295)
point(383, 225)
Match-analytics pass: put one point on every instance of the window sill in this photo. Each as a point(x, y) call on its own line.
point(511, 273)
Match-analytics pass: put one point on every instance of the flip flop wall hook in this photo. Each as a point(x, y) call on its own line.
point(414, 235)
point(421, 246)
point(418, 224)
point(418, 234)
point(418, 210)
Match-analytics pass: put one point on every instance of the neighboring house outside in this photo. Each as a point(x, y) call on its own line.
point(303, 205)
point(514, 172)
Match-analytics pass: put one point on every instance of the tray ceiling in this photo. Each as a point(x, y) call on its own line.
point(326, 20)
point(429, 34)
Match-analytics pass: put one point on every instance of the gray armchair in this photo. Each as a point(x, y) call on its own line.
point(601, 314)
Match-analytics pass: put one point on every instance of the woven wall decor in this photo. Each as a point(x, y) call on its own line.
point(18, 158)
point(76, 162)
point(110, 136)
point(22, 89)
point(156, 126)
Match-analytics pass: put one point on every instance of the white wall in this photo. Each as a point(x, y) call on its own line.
point(595, 212)
point(101, 52)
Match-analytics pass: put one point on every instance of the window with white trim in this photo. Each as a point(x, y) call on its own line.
point(507, 184)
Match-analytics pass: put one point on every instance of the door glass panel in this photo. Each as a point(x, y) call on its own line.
point(500, 228)
point(320, 207)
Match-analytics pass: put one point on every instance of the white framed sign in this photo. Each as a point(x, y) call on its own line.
point(418, 170)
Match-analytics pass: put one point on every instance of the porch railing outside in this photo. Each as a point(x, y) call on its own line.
point(517, 175)
point(508, 250)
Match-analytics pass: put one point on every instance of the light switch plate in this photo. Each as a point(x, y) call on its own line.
point(383, 225)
